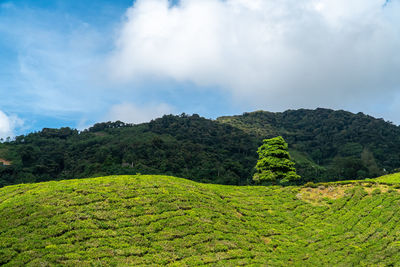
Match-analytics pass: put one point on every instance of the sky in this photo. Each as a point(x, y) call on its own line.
point(74, 63)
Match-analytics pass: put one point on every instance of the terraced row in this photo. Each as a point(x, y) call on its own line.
point(154, 220)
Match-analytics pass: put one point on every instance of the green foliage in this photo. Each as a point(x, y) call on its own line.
point(274, 164)
point(159, 220)
point(326, 145)
point(392, 179)
point(311, 185)
point(188, 146)
point(324, 140)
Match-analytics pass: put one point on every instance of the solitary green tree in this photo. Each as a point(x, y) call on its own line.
point(274, 164)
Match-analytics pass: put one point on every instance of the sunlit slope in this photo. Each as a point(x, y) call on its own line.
point(393, 179)
point(153, 220)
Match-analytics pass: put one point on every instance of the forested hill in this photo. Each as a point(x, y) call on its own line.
point(326, 145)
point(186, 146)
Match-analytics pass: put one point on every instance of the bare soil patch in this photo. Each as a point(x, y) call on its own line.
point(318, 195)
point(5, 162)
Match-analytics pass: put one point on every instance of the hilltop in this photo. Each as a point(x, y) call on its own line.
point(326, 145)
point(153, 220)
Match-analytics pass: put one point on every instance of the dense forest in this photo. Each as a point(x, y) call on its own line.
point(329, 145)
point(185, 146)
point(326, 145)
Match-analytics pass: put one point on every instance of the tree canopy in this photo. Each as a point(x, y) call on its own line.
point(274, 164)
point(326, 145)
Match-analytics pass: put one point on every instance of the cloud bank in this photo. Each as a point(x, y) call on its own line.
point(8, 124)
point(270, 54)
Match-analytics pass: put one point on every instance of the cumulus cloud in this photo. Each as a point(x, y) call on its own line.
point(8, 124)
point(131, 113)
point(271, 54)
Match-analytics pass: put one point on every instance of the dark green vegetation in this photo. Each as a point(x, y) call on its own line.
point(193, 147)
point(329, 145)
point(157, 220)
point(326, 146)
point(274, 164)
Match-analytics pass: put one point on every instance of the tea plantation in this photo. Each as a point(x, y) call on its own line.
point(391, 179)
point(160, 220)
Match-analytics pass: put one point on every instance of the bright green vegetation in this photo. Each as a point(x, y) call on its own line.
point(389, 179)
point(157, 220)
point(274, 164)
point(326, 145)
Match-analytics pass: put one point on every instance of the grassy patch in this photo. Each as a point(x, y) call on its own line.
point(388, 179)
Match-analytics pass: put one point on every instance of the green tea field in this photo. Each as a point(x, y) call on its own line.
point(161, 220)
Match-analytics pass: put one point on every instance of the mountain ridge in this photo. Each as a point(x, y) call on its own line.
point(325, 144)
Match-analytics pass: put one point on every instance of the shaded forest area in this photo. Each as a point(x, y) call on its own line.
point(326, 145)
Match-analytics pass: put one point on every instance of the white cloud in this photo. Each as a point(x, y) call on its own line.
point(130, 113)
point(270, 54)
point(8, 125)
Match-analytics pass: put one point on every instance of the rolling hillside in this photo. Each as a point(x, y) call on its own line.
point(152, 220)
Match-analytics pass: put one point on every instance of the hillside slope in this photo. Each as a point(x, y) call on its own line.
point(133, 220)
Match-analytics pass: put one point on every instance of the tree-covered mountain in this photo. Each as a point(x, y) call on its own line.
point(326, 145)
point(186, 146)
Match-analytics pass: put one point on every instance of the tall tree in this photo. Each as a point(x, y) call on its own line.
point(274, 164)
point(369, 161)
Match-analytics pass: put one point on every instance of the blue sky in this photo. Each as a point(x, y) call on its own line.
point(74, 63)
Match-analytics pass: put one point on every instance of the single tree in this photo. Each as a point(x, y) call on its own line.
point(274, 164)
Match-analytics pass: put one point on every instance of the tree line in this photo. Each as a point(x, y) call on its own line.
point(325, 145)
